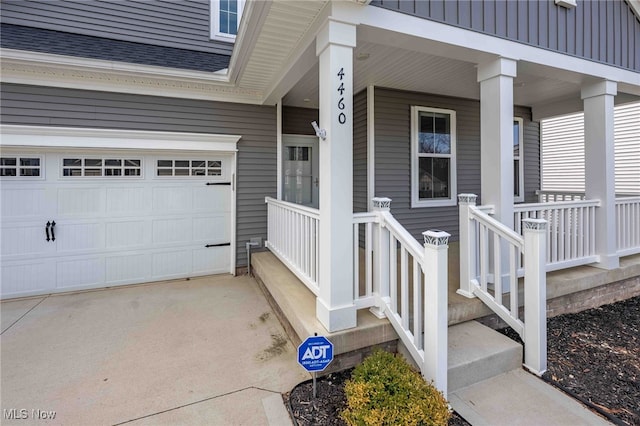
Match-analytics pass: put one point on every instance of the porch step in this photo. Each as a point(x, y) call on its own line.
point(477, 353)
point(295, 306)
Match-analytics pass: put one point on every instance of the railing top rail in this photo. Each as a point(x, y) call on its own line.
point(497, 227)
point(405, 238)
point(628, 199)
point(555, 204)
point(578, 193)
point(551, 192)
point(365, 217)
point(309, 211)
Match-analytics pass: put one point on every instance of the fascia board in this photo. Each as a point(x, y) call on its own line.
point(25, 67)
point(74, 62)
point(83, 138)
point(635, 5)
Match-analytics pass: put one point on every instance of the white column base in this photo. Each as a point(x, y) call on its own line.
point(607, 262)
point(466, 294)
point(337, 318)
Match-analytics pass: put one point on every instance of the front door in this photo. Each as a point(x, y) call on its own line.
point(300, 170)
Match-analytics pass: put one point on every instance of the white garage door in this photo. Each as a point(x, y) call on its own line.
point(77, 220)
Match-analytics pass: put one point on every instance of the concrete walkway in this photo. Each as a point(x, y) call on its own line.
point(203, 351)
point(519, 398)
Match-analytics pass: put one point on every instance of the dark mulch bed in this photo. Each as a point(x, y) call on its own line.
point(594, 356)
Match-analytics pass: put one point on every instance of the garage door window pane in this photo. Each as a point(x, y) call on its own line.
point(20, 166)
point(29, 166)
point(189, 168)
point(92, 162)
point(101, 167)
point(8, 166)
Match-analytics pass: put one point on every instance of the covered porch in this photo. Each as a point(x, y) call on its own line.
point(421, 290)
point(420, 112)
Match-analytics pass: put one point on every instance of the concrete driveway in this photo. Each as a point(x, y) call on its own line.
point(201, 351)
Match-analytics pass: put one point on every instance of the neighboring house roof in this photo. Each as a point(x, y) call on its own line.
point(63, 43)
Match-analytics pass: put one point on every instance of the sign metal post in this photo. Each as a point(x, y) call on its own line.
point(315, 354)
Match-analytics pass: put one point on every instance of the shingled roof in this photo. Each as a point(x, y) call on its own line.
point(62, 43)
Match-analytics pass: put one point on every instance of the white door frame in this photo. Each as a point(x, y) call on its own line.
point(303, 140)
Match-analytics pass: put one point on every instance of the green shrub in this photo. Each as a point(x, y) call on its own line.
point(385, 390)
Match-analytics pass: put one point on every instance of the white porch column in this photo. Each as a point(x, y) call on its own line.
point(334, 305)
point(496, 136)
point(496, 145)
point(599, 156)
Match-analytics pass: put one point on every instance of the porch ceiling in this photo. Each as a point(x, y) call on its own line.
point(280, 61)
point(404, 69)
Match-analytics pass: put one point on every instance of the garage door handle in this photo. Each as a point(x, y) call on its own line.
point(46, 230)
point(53, 235)
point(217, 245)
point(217, 183)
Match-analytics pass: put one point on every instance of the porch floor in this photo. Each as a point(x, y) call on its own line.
point(569, 290)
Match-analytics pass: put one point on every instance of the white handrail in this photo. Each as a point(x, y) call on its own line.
point(403, 236)
point(308, 211)
point(292, 235)
point(391, 278)
point(496, 226)
point(563, 204)
point(491, 253)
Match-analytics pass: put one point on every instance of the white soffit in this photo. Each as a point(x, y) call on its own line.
point(85, 138)
point(284, 29)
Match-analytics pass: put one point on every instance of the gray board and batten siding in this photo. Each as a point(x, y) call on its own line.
point(606, 31)
point(256, 166)
point(178, 24)
point(393, 156)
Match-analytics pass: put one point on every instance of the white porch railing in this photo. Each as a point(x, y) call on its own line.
point(628, 225)
point(489, 254)
point(406, 282)
point(394, 275)
point(570, 231)
point(292, 235)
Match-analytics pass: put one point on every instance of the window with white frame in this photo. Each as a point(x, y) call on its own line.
point(433, 157)
point(518, 160)
point(225, 19)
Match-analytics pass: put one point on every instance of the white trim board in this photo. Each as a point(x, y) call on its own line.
point(70, 137)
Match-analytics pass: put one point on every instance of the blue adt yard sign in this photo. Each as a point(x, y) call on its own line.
point(315, 353)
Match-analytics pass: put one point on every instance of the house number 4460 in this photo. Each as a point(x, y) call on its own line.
point(342, 118)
